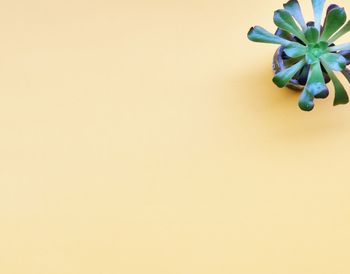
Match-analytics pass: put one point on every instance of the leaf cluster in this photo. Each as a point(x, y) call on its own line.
point(310, 45)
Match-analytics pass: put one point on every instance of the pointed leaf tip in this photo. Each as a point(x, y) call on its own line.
point(284, 20)
point(261, 35)
point(293, 7)
point(333, 22)
point(282, 78)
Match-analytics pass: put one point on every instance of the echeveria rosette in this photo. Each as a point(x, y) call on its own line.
point(310, 55)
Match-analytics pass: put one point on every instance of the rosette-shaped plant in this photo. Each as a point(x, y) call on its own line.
point(308, 58)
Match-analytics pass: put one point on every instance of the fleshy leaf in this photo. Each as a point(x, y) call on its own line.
point(312, 34)
point(285, 21)
point(295, 50)
point(331, 6)
point(335, 19)
point(315, 87)
point(341, 97)
point(345, 29)
point(334, 61)
point(284, 76)
point(318, 6)
point(261, 35)
point(339, 47)
point(329, 9)
point(315, 83)
point(306, 101)
point(293, 7)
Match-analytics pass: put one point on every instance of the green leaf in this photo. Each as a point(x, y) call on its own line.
point(341, 96)
point(315, 87)
point(345, 29)
point(330, 7)
point(312, 34)
point(295, 50)
point(315, 83)
point(285, 21)
point(284, 76)
point(334, 20)
point(334, 61)
point(259, 34)
point(318, 9)
point(306, 101)
point(339, 47)
point(293, 7)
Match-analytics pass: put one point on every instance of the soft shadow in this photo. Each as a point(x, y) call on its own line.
point(276, 110)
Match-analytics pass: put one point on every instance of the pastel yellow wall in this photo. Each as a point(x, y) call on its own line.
point(146, 137)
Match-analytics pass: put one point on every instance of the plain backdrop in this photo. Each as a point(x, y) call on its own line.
point(146, 137)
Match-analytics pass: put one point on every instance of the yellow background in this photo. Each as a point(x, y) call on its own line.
point(146, 137)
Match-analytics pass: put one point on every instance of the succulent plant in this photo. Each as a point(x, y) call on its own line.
point(307, 58)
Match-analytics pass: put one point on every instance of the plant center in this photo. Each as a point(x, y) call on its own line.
point(315, 51)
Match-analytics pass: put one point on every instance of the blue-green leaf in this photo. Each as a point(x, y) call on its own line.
point(345, 29)
point(306, 101)
point(312, 34)
point(315, 83)
point(285, 21)
point(315, 87)
point(293, 7)
point(334, 61)
point(339, 47)
point(318, 6)
point(295, 50)
point(341, 96)
point(284, 76)
point(334, 20)
point(259, 34)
